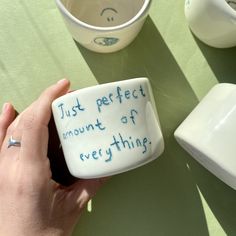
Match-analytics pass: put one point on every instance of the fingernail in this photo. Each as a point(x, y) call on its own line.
point(62, 81)
point(5, 107)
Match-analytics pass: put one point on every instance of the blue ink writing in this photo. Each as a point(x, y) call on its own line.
point(109, 154)
point(121, 96)
point(125, 119)
point(119, 143)
point(72, 111)
point(97, 126)
point(123, 143)
point(96, 154)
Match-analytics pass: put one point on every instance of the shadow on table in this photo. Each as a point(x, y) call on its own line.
point(221, 61)
point(160, 198)
point(220, 198)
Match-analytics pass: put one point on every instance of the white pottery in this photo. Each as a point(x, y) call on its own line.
point(108, 129)
point(104, 25)
point(209, 132)
point(213, 21)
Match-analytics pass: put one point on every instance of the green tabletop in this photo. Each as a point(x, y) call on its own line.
point(173, 195)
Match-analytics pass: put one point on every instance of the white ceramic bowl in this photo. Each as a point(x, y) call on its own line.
point(209, 132)
point(109, 128)
point(213, 21)
point(104, 26)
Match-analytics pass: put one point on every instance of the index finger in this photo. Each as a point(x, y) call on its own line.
point(31, 125)
point(34, 134)
point(43, 103)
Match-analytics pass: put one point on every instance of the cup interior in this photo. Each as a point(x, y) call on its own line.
point(104, 13)
point(232, 3)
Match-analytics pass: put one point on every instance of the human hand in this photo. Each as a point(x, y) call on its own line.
point(31, 203)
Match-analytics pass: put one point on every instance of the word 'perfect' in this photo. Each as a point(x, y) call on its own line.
point(121, 96)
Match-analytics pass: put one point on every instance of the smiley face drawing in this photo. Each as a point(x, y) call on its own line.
point(109, 13)
point(106, 41)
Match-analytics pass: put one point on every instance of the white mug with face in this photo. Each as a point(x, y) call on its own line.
point(213, 21)
point(104, 26)
point(209, 132)
point(108, 129)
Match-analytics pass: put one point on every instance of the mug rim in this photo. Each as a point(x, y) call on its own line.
point(141, 12)
point(100, 86)
point(232, 10)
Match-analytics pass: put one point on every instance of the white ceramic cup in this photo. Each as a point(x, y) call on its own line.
point(209, 132)
point(104, 25)
point(108, 129)
point(213, 21)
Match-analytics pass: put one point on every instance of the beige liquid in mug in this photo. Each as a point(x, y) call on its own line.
point(108, 12)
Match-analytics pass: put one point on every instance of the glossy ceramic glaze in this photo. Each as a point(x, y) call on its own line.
point(209, 132)
point(108, 129)
point(104, 26)
point(213, 21)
